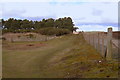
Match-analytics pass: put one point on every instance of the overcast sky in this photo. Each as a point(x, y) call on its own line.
point(88, 16)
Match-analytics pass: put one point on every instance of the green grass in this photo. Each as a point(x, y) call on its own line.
point(65, 57)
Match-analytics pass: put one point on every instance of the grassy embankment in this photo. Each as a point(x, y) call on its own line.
point(64, 57)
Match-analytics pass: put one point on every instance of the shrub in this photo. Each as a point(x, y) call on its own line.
point(53, 31)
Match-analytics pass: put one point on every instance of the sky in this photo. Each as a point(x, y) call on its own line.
point(87, 15)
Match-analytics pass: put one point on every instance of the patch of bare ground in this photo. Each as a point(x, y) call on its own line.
point(25, 46)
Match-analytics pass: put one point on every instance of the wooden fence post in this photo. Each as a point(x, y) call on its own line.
point(98, 42)
point(89, 38)
point(109, 44)
point(103, 53)
point(93, 41)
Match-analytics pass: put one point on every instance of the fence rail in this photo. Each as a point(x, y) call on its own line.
point(103, 42)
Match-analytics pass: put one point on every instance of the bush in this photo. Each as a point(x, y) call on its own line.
point(53, 31)
point(43, 31)
point(60, 32)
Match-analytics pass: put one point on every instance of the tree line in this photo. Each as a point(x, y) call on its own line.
point(45, 26)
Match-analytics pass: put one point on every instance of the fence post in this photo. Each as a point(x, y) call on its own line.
point(95, 41)
point(89, 38)
point(109, 44)
point(98, 43)
point(103, 44)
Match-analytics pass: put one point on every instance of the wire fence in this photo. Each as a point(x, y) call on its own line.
point(103, 42)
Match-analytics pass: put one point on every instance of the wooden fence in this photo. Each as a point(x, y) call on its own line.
point(103, 42)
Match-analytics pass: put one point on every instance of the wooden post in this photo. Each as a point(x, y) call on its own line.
point(98, 42)
point(89, 39)
point(85, 35)
point(103, 53)
point(109, 44)
point(93, 41)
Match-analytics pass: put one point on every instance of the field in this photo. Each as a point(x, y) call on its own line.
point(67, 56)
